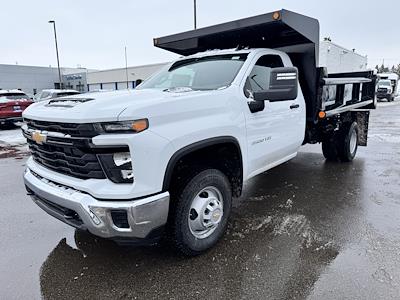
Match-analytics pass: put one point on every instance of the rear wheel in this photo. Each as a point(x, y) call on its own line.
point(343, 145)
point(349, 143)
point(201, 212)
point(329, 149)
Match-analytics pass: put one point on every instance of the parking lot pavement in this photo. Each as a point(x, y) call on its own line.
point(306, 229)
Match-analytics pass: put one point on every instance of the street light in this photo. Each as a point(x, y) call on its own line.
point(58, 59)
point(195, 14)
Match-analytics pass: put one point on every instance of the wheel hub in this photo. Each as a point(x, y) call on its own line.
point(206, 212)
point(353, 141)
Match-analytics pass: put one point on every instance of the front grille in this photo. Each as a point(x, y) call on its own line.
point(73, 129)
point(382, 90)
point(70, 156)
point(68, 160)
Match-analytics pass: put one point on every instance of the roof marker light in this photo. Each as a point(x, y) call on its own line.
point(276, 16)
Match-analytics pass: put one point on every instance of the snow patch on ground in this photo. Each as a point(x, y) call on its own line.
point(292, 225)
point(288, 205)
point(12, 138)
point(297, 225)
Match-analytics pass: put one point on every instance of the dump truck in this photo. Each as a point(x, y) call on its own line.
point(166, 159)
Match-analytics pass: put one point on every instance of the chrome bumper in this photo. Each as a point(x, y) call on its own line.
point(82, 211)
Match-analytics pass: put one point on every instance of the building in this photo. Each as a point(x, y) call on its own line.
point(32, 79)
point(122, 78)
point(338, 59)
point(76, 81)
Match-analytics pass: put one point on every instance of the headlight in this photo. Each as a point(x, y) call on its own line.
point(126, 126)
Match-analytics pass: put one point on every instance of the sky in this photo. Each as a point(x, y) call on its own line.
point(94, 33)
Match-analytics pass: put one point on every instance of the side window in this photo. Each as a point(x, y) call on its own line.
point(258, 79)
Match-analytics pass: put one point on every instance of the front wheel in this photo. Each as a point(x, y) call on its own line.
point(201, 212)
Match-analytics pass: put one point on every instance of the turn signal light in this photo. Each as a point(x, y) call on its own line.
point(140, 125)
point(322, 115)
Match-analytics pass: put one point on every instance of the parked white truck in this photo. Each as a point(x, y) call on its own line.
point(387, 87)
point(167, 158)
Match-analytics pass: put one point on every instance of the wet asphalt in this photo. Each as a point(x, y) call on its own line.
point(307, 229)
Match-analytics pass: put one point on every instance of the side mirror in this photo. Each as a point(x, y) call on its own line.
point(283, 86)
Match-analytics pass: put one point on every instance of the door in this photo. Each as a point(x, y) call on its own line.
point(275, 132)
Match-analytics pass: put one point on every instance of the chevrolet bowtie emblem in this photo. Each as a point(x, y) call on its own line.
point(39, 138)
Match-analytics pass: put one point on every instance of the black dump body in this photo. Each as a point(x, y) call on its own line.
point(293, 33)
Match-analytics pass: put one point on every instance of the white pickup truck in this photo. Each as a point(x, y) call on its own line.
point(166, 158)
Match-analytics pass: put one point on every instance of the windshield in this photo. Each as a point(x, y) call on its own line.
point(385, 83)
point(66, 94)
point(204, 73)
point(14, 96)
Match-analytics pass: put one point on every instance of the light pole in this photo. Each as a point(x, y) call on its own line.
point(58, 59)
point(195, 14)
point(126, 70)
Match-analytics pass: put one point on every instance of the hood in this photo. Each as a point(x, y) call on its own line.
point(98, 107)
point(384, 87)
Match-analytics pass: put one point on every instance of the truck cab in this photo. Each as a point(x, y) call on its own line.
point(387, 87)
point(385, 90)
point(166, 159)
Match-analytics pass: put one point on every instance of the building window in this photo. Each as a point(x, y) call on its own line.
point(80, 87)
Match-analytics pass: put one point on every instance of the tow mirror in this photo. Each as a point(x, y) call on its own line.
point(283, 86)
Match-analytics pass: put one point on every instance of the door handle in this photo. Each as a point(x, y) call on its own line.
point(294, 106)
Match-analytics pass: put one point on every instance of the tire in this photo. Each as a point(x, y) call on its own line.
point(208, 189)
point(330, 149)
point(348, 143)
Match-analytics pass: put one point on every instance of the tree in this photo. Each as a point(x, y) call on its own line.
point(384, 69)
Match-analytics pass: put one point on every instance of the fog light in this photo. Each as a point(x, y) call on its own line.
point(122, 158)
point(94, 218)
point(117, 166)
point(127, 174)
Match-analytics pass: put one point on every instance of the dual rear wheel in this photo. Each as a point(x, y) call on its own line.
point(342, 145)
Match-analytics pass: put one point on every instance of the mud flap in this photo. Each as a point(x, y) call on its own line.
point(363, 122)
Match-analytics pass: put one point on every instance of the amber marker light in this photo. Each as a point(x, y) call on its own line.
point(140, 125)
point(322, 115)
point(276, 16)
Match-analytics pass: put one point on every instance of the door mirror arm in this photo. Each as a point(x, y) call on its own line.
point(256, 106)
